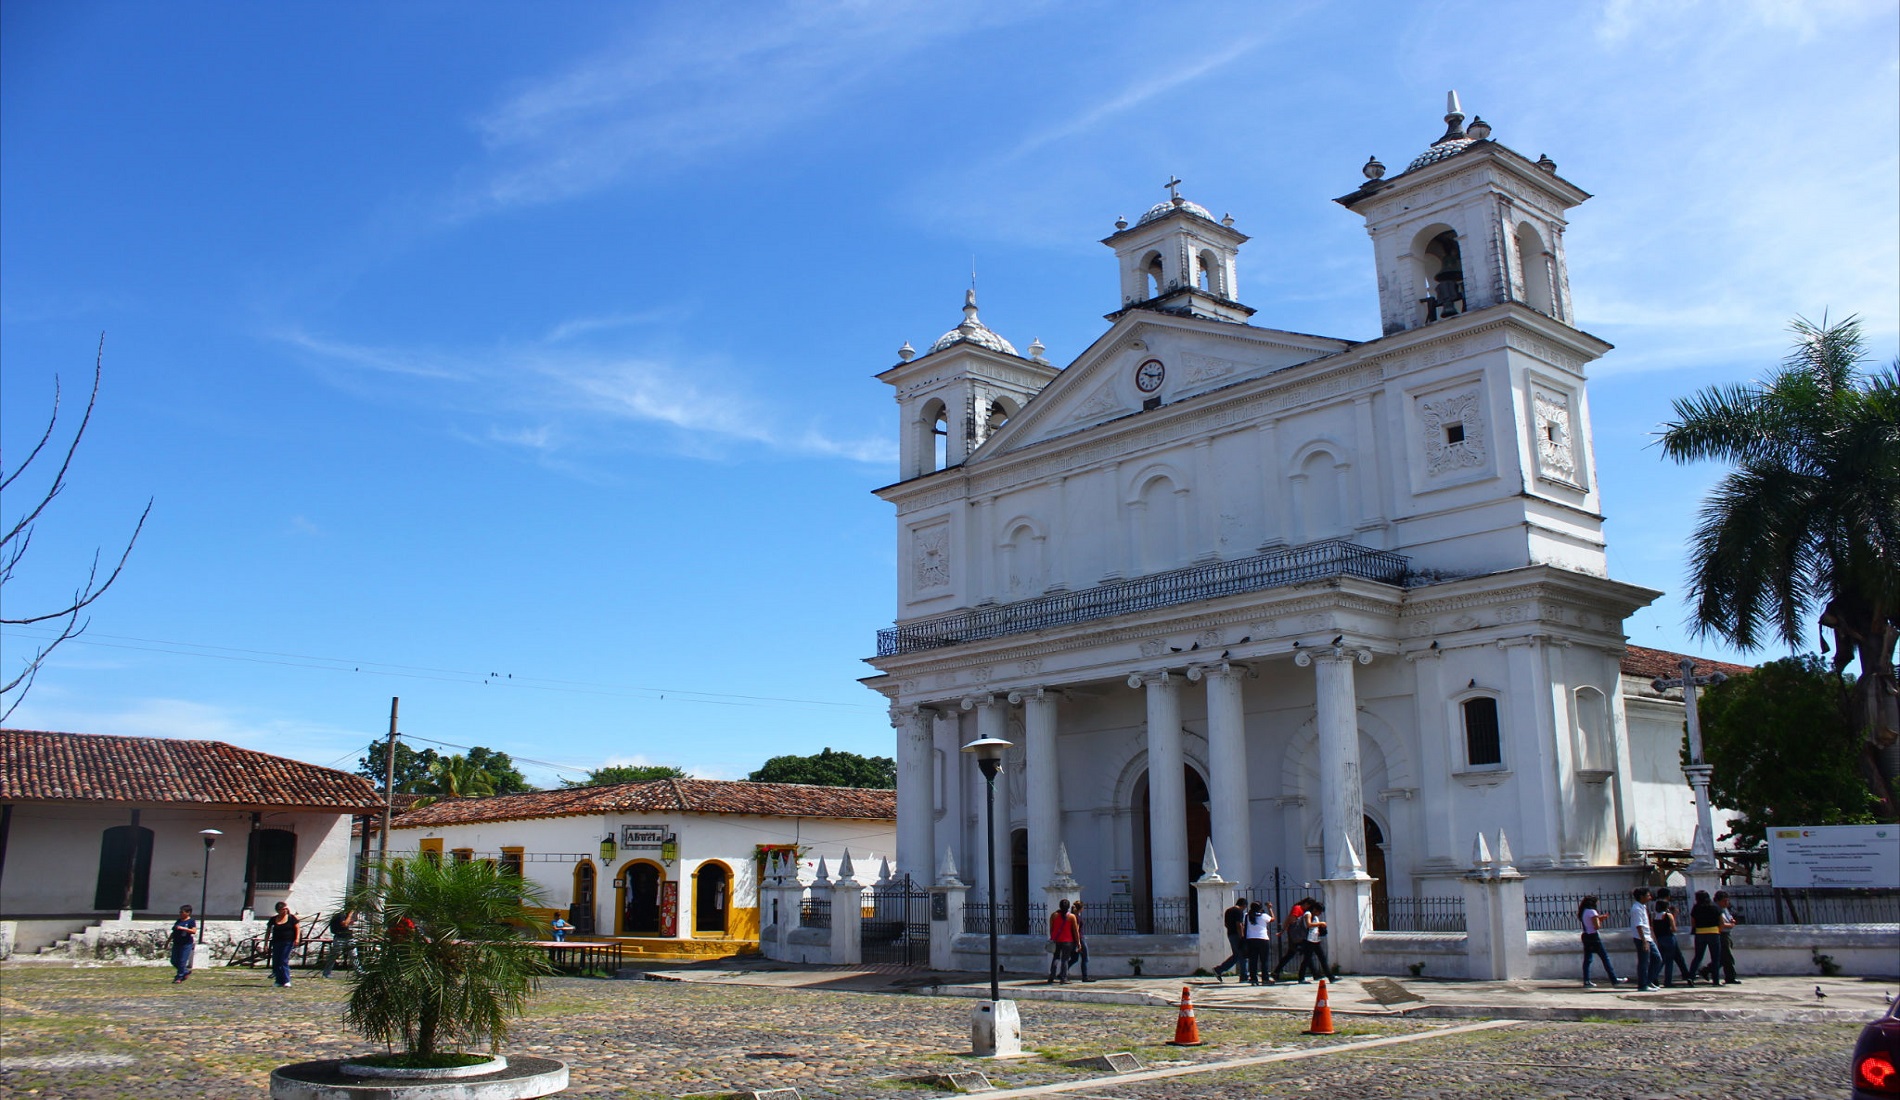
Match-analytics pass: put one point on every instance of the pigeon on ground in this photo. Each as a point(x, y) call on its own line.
point(1818, 993)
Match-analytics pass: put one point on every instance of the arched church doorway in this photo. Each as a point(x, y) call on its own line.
point(1019, 882)
point(1199, 828)
point(1375, 866)
point(712, 893)
point(640, 900)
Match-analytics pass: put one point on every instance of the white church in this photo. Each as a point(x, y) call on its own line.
point(1338, 606)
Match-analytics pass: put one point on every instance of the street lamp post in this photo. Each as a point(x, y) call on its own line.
point(1702, 847)
point(1004, 1031)
point(204, 886)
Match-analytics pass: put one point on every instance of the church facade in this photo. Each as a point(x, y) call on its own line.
point(1336, 606)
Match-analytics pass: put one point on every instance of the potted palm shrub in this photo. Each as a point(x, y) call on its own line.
point(444, 963)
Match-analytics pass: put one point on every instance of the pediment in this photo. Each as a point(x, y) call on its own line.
point(1196, 357)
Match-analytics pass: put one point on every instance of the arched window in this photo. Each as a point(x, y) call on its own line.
point(1000, 412)
point(1158, 511)
point(125, 868)
point(1444, 271)
point(276, 859)
point(1155, 274)
point(1319, 490)
point(1594, 751)
point(1210, 273)
point(1484, 744)
point(1535, 263)
point(933, 443)
point(1022, 562)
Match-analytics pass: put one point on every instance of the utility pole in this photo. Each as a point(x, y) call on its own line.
point(389, 783)
point(1702, 848)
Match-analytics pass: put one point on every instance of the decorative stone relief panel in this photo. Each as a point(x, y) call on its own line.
point(930, 560)
point(1553, 429)
point(1452, 429)
point(1205, 368)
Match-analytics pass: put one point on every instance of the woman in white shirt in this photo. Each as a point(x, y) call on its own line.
point(1256, 936)
point(1592, 922)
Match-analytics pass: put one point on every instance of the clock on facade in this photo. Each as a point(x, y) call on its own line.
point(1148, 376)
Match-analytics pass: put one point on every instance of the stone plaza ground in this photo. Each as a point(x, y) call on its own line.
point(96, 1032)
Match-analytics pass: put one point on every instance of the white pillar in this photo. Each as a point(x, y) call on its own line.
point(1227, 769)
point(1167, 787)
point(916, 802)
point(1439, 842)
point(1042, 773)
point(992, 721)
point(1336, 716)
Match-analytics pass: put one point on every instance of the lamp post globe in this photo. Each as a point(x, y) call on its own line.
point(989, 760)
point(204, 884)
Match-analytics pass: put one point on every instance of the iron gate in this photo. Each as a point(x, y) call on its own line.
point(897, 927)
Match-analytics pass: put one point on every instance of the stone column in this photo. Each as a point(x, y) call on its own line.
point(947, 895)
point(1497, 937)
point(1227, 768)
point(1042, 773)
point(1529, 728)
point(992, 720)
point(1436, 763)
point(1212, 895)
point(847, 915)
point(1336, 717)
point(916, 808)
point(1167, 787)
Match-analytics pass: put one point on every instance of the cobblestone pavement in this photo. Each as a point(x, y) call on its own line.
point(89, 1033)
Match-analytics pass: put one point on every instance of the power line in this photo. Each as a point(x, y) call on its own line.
point(419, 672)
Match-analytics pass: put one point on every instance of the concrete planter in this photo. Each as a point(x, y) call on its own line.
point(518, 1078)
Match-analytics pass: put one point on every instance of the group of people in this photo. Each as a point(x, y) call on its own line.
point(282, 934)
point(1654, 926)
point(1250, 937)
point(1068, 942)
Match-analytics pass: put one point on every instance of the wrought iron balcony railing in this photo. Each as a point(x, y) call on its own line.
point(1294, 565)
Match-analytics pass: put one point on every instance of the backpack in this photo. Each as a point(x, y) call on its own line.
point(337, 927)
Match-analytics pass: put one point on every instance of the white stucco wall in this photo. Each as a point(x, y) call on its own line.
point(552, 847)
point(52, 863)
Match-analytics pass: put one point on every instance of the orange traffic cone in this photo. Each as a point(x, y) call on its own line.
point(1322, 1013)
point(1187, 1033)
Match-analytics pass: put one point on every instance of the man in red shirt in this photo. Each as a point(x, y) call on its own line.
point(1063, 934)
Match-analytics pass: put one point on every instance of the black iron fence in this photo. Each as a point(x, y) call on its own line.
point(815, 913)
point(1294, 565)
point(1013, 920)
point(896, 926)
point(1558, 912)
point(1121, 916)
point(1391, 914)
point(1839, 905)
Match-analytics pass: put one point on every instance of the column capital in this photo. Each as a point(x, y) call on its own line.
point(1021, 695)
point(972, 702)
point(1336, 652)
point(1233, 669)
point(1155, 676)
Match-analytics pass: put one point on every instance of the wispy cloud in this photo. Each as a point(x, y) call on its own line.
point(542, 397)
point(679, 91)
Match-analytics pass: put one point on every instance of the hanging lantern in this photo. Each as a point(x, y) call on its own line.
point(670, 849)
point(608, 849)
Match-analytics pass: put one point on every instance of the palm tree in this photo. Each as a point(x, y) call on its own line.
point(444, 959)
point(456, 777)
point(1806, 527)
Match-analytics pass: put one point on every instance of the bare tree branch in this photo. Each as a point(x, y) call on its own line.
point(19, 538)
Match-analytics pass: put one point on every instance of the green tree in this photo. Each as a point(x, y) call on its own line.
point(1806, 527)
point(444, 961)
point(626, 773)
point(456, 777)
point(829, 769)
point(1783, 742)
point(412, 766)
point(500, 768)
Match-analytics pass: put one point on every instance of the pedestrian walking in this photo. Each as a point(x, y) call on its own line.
point(1729, 920)
point(1258, 936)
point(1081, 939)
point(1663, 921)
point(1312, 943)
point(1232, 921)
point(342, 940)
point(1062, 925)
point(1592, 922)
point(184, 941)
point(1705, 921)
point(1643, 938)
point(1292, 933)
point(283, 940)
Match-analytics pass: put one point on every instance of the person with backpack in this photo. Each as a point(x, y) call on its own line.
point(1231, 922)
point(1292, 934)
point(342, 940)
point(1062, 937)
point(184, 940)
point(1312, 947)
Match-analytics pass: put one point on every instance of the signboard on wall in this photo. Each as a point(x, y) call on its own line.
point(1835, 855)
point(644, 838)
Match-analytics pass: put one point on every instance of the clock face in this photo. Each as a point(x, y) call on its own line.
point(1148, 376)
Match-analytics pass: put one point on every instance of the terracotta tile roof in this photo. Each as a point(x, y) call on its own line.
point(1650, 664)
point(700, 796)
point(36, 766)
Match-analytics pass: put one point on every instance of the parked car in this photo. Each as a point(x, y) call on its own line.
point(1876, 1065)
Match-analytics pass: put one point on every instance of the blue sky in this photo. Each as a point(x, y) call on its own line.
point(516, 360)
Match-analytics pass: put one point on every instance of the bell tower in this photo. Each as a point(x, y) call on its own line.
point(1178, 259)
point(1469, 224)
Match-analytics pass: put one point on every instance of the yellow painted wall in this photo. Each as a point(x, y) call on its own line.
point(742, 924)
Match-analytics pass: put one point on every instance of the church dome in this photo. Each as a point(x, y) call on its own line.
point(1457, 138)
point(1162, 209)
point(1442, 148)
point(973, 331)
